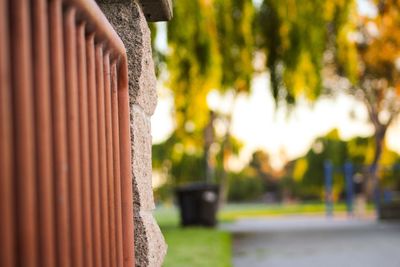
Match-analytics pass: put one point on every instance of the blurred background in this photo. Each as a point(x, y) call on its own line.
point(289, 108)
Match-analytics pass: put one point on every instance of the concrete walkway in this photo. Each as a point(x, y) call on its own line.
point(314, 241)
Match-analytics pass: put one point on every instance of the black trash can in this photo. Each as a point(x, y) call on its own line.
point(389, 211)
point(198, 204)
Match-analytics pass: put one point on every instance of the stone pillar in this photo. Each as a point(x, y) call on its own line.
point(129, 20)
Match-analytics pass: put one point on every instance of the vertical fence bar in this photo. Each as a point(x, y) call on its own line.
point(7, 209)
point(102, 155)
point(24, 133)
point(116, 155)
point(348, 174)
point(43, 134)
point(84, 145)
point(94, 151)
point(328, 168)
point(65, 162)
point(71, 82)
point(110, 165)
point(126, 171)
point(59, 133)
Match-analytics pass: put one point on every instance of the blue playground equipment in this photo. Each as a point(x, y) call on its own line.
point(348, 171)
point(349, 184)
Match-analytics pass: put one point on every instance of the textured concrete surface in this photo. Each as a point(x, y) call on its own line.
point(309, 242)
point(128, 20)
point(130, 23)
point(147, 83)
point(141, 159)
point(156, 241)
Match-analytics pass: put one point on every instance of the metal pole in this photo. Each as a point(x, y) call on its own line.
point(328, 169)
point(348, 174)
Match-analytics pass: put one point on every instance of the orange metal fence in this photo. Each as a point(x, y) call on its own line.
point(65, 166)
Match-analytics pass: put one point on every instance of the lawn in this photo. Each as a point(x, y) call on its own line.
point(197, 247)
point(193, 246)
point(232, 212)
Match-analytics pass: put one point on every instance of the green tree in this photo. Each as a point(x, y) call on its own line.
point(209, 48)
point(314, 44)
point(371, 62)
point(235, 38)
point(306, 44)
point(295, 36)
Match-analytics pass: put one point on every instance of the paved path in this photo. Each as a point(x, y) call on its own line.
point(319, 242)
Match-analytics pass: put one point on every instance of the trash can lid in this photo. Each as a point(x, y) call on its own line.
point(197, 187)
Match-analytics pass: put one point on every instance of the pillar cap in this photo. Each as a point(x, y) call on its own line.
point(157, 10)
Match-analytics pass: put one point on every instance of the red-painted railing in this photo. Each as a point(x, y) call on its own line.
point(65, 166)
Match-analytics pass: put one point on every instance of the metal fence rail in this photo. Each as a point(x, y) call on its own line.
point(65, 164)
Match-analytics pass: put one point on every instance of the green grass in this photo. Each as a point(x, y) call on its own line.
point(233, 212)
point(197, 247)
point(193, 246)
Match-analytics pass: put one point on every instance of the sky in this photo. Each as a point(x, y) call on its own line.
point(259, 126)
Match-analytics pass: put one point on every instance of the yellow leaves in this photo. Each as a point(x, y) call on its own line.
point(347, 52)
point(388, 157)
point(298, 38)
point(304, 79)
point(206, 3)
point(331, 7)
point(382, 48)
point(369, 154)
point(300, 169)
point(333, 134)
point(397, 89)
point(284, 33)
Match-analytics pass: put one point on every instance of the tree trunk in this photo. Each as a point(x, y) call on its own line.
point(226, 149)
point(224, 184)
point(209, 139)
point(373, 188)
